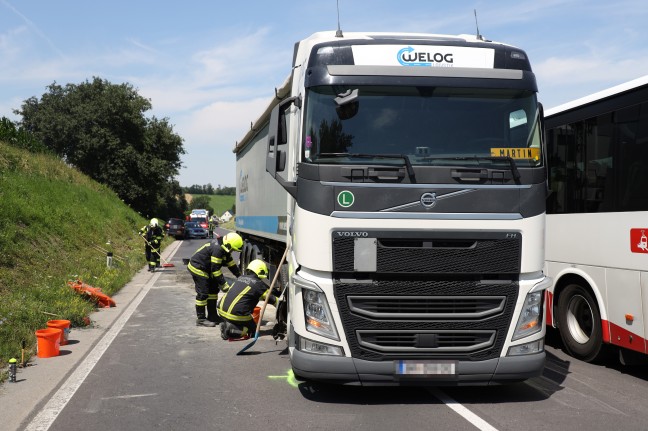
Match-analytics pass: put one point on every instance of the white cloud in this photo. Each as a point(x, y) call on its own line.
point(222, 123)
point(564, 79)
point(210, 135)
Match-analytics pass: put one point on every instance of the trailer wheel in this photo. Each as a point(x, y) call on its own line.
point(243, 262)
point(579, 322)
point(255, 253)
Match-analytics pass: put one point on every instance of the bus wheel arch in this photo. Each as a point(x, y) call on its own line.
point(578, 317)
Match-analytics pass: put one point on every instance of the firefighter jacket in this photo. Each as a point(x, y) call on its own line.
point(208, 260)
point(239, 301)
point(153, 234)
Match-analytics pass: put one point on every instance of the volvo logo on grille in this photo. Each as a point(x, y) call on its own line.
point(428, 200)
point(355, 234)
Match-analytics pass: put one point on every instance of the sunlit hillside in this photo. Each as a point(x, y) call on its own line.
point(56, 225)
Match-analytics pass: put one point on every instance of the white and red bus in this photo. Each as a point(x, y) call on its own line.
point(597, 220)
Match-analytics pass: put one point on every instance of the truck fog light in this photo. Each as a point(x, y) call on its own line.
point(530, 320)
point(527, 349)
point(317, 315)
point(310, 346)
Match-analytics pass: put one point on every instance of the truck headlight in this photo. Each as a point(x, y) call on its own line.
point(317, 315)
point(530, 320)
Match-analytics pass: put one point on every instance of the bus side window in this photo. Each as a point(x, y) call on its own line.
point(633, 151)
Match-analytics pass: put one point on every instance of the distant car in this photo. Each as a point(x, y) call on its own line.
point(175, 227)
point(194, 230)
point(202, 221)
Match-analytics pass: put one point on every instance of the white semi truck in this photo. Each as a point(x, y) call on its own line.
point(406, 175)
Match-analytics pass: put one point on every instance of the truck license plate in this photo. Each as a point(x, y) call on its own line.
point(425, 368)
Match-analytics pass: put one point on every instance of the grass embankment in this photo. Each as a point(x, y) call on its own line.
point(54, 223)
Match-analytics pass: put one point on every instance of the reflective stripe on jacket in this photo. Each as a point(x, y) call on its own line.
point(240, 300)
point(152, 234)
point(208, 260)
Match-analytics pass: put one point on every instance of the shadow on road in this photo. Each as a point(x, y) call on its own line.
point(638, 368)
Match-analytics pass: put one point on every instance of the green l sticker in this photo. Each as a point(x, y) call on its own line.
point(345, 199)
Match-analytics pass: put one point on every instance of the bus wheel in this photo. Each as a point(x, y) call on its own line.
point(579, 322)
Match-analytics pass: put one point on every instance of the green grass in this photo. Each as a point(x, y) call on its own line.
point(54, 222)
point(230, 225)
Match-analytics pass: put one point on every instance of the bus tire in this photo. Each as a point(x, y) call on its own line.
point(579, 323)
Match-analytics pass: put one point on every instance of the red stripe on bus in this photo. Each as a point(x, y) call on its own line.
point(549, 305)
point(624, 338)
point(605, 327)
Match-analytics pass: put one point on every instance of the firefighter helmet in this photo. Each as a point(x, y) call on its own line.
point(233, 241)
point(154, 222)
point(258, 267)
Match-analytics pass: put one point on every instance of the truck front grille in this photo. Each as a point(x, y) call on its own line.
point(426, 319)
point(428, 252)
point(425, 341)
point(426, 307)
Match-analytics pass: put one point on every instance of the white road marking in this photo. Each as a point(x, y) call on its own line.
point(125, 397)
point(59, 400)
point(462, 411)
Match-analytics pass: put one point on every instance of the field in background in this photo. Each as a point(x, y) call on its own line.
point(220, 203)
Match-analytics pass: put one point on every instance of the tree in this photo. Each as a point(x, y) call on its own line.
point(18, 137)
point(100, 128)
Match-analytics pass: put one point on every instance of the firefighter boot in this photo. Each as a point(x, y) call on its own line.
point(202, 320)
point(229, 330)
point(212, 314)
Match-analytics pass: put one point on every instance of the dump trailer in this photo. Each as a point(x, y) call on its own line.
point(406, 176)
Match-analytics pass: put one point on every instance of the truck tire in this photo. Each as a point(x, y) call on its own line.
point(243, 262)
point(579, 322)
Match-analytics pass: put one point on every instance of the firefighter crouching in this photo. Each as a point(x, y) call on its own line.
point(235, 308)
point(205, 268)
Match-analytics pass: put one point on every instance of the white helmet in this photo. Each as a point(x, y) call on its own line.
point(154, 222)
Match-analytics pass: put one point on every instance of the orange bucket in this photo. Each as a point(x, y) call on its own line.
point(63, 325)
point(255, 314)
point(49, 342)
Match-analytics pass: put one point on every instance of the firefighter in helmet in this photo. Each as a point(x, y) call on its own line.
point(236, 307)
point(205, 268)
point(153, 236)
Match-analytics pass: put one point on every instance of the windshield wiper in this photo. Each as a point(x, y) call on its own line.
point(509, 159)
point(405, 157)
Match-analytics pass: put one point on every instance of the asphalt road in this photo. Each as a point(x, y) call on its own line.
point(158, 371)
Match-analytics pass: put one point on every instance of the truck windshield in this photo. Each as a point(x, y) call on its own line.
point(434, 126)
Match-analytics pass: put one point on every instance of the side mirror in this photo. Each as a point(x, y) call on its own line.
point(278, 135)
point(278, 138)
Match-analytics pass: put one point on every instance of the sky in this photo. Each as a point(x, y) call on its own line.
point(210, 66)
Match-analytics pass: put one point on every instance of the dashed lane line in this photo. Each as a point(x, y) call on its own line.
point(462, 411)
